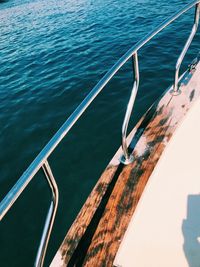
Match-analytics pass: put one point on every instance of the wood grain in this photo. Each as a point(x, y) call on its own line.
point(94, 237)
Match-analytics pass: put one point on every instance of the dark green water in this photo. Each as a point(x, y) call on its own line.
point(51, 55)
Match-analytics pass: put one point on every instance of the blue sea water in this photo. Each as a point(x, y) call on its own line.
point(51, 55)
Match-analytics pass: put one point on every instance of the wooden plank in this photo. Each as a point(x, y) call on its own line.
point(94, 237)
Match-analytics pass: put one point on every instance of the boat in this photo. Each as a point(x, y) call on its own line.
point(144, 209)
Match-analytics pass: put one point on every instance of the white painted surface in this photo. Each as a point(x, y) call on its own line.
point(165, 228)
point(58, 261)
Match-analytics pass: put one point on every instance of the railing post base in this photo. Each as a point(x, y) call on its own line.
point(125, 160)
point(175, 93)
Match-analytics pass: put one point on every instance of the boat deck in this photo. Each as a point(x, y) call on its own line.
point(95, 236)
point(166, 224)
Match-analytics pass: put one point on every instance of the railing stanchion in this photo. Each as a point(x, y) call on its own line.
point(126, 158)
point(176, 90)
point(50, 215)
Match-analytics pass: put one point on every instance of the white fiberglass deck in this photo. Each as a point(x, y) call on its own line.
point(165, 228)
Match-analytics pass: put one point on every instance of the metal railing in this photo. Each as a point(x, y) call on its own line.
point(41, 161)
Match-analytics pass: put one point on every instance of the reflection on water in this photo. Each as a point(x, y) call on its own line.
point(191, 231)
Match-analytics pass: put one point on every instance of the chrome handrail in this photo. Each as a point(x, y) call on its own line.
point(50, 215)
point(126, 158)
point(176, 90)
point(40, 162)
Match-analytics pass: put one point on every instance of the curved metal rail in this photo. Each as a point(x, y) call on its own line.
point(40, 162)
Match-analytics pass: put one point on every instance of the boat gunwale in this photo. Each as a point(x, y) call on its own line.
point(150, 137)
